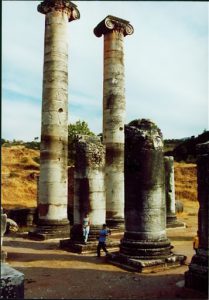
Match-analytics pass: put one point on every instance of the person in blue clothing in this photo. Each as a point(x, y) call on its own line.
point(103, 233)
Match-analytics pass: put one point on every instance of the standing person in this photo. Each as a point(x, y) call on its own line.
point(86, 228)
point(104, 232)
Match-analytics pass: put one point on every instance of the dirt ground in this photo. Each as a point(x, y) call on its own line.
point(52, 273)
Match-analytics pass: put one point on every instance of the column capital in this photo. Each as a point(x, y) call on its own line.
point(111, 23)
point(47, 6)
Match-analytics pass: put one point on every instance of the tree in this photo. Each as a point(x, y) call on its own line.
point(79, 127)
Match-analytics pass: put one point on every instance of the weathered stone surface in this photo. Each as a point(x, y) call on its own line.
point(12, 283)
point(197, 275)
point(171, 219)
point(145, 215)
point(114, 29)
point(144, 245)
point(53, 181)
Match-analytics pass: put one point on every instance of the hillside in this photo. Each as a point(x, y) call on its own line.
point(20, 167)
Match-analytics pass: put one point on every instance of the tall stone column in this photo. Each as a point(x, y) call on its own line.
point(52, 207)
point(171, 219)
point(89, 186)
point(197, 275)
point(114, 31)
point(145, 244)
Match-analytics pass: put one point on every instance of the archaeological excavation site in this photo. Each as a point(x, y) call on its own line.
point(111, 226)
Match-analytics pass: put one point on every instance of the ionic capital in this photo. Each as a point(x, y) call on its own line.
point(70, 8)
point(111, 23)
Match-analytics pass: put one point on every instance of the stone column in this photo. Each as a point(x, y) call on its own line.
point(114, 30)
point(144, 244)
point(52, 207)
point(197, 275)
point(89, 188)
point(171, 219)
point(145, 209)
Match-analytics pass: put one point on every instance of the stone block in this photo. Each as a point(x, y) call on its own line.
point(12, 283)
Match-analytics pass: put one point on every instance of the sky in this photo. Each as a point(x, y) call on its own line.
point(166, 66)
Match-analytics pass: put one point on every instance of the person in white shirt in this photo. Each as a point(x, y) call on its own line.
point(86, 228)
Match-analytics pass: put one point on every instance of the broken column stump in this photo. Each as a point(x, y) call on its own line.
point(197, 275)
point(89, 194)
point(144, 246)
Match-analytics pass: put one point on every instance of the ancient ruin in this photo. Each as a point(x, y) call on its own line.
point(145, 246)
point(52, 206)
point(114, 30)
point(197, 275)
point(171, 219)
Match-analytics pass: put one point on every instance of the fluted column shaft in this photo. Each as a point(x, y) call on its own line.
point(114, 106)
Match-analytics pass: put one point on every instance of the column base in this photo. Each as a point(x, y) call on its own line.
point(197, 275)
point(147, 265)
point(90, 247)
point(172, 222)
point(116, 224)
point(12, 283)
point(50, 229)
point(144, 249)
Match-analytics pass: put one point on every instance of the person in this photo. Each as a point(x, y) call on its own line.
point(196, 242)
point(103, 233)
point(86, 228)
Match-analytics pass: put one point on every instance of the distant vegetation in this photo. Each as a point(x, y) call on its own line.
point(185, 149)
point(80, 127)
